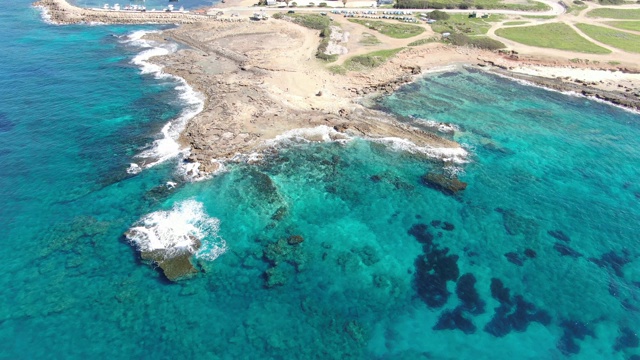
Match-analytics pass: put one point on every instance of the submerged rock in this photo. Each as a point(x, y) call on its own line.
point(627, 339)
point(573, 330)
point(565, 250)
point(452, 320)
point(446, 185)
point(514, 258)
point(558, 234)
point(468, 295)
point(295, 239)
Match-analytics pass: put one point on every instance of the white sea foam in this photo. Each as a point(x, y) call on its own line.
point(441, 127)
point(320, 133)
point(178, 231)
point(45, 15)
point(457, 155)
point(133, 169)
point(166, 146)
point(190, 171)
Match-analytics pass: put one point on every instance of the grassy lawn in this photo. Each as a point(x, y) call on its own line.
point(515, 23)
point(463, 24)
point(609, 13)
point(365, 62)
point(625, 25)
point(476, 4)
point(621, 40)
point(369, 40)
point(394, 30)
point(555, 36)
point(311, 21)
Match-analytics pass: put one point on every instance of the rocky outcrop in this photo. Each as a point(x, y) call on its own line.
point(445, 184)
point(388, 87)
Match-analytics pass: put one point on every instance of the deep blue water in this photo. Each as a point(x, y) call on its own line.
point(536, 259)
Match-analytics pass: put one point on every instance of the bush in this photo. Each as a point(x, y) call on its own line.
point(311, 4)
point(322, 4)
point(439, 15)
point(578, 2)
point(293, 4)
point(611, 2)
point(479, 7)
point(475, 41)
point(463, 6)
point(450, 6)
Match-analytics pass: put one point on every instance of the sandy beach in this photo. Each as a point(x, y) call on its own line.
point(255, 94)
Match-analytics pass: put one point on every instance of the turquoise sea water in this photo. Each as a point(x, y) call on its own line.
point(536, 259)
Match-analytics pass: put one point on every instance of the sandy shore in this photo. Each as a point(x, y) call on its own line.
point(255, 93)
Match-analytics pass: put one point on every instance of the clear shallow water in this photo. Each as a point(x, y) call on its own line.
point(73, 287)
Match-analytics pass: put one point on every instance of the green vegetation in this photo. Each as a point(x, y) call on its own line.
point(619, 39)
point(546, 17)
point(515, 23)
point(481, 42)
point(609, 13)
point(311, 21)
point(555, 36)
point(614, 63)
point(611, 2)
point(422, 42)
point(462, 23)
point(366, 61)
point(439, 15)
point(468, 4)
point(398, 31)
point(369, 40)
point(337, 69)
point(625, 25)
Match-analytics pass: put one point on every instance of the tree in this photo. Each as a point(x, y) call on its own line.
point(344, 3)
point(287, 2)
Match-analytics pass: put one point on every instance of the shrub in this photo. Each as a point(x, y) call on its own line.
point(463, 6)
point(475, 41)
point(479, 7)
point(439, 15)
point(450, 6)
point(322, 4)
point(611, 2)
point(311, 4)
point(293, 4)
point(578, 2)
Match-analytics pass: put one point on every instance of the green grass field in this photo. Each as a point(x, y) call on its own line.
point(609, 13)
point(463, 24)
point(515, 23)
point(369, 40)
point(555, 36)
point(625, 25)
point(618, 39)
point(394, 30)
point(530, 5)
point(365, 62)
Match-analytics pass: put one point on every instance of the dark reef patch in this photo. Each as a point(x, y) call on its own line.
point(433, 268)
point(468, 295)
point(514, 258)
point(445, 184)
point(452, 320)
point(530, 253)
point(627, 339)
point(513, 314)
point(559, 235)
point(573, 330)
point(613, 261)
point(565, 250)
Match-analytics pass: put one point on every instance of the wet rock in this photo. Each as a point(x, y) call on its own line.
point(627, 339)
point(558, 234)
point(175, 267)
point(565, 250)
point(446, 185)
point(466, 291)
point(280, 213)
point(375, 178)
point(455, 320)
point(514, 258)
point(436, 223)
